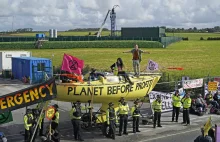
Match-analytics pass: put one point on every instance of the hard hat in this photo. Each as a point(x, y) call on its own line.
point(110, 104)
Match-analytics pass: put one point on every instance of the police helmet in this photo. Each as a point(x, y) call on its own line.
point(78, 102)
point(110, 104)
point(56, 106)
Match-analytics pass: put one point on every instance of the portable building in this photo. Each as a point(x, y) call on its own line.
point(5, 58)
point(36, 69)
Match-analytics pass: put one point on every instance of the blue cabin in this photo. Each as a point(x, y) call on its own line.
point(36, 69)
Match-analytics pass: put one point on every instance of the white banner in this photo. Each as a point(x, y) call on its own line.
point(166, 100)
point(196, 83)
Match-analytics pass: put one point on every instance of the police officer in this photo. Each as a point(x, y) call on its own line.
point(28, 125)
point(56, 118)
point(135, 112)
point(123, 113)
point(75, 115)
point(186, 105)
point(157, 106)
point(111, 118)
point(176, 105)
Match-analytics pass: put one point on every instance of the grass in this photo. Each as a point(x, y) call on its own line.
point(194, 36)
point(198, 58)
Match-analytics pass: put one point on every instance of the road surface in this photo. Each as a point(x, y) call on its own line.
point(170, 132)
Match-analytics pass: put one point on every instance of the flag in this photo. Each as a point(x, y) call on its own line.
point(152, 66)
point(207, 126)
point(72, 64)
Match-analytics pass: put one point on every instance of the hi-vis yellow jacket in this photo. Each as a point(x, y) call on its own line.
point(176, 101)
point(157, 106)
point(135, 110)
point(74, 110)
point(111, 115)
point(28, 121)
point(123, 109)
point(186, 102)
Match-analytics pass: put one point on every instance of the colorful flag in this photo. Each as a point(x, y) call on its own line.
point(72, 64)
point(207, 126)
point(152, 66)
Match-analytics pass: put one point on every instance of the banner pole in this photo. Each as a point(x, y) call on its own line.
point(91, 106)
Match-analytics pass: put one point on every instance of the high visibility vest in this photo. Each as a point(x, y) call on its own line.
point(76, 112)
point(28, 118)
point(186, 102)
point(176, 101)
point(135, 110)
point(157, 106)
point(123, 109)
point(111, 114)
point(209, 97)
point(56, 117)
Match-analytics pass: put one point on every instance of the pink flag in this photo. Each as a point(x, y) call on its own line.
point(72, 64)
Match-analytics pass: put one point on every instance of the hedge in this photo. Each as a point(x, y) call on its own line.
point(80, 44)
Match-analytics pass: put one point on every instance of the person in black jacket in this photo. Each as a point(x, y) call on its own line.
point(118, 67)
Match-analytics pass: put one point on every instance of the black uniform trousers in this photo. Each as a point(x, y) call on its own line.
point(54, 125)
point(28, 134)
point(112, 128)
point(135, 123)
point(157, 116)
point(176, 111)
point(123, 121)
point(77, 129)
point(186, 118)
point(42, 128)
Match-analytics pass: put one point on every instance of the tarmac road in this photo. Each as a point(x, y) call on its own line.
point(170, 132)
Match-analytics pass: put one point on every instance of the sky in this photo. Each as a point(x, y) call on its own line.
point(70, 14)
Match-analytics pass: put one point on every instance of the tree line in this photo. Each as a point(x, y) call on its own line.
point(192, 30)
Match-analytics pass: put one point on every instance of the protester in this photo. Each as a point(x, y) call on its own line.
point(117, 68)
point(136, 58)
point(200, 102)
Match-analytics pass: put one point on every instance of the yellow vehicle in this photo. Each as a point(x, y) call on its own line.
point(105, 90)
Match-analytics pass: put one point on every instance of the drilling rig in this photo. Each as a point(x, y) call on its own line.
point(113, 21)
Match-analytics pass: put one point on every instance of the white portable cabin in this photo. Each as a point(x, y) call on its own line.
point(5, 58)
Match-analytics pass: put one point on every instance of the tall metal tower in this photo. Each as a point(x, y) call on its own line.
point(113, 20)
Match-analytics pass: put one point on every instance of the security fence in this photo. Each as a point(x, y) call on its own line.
point(164, 40)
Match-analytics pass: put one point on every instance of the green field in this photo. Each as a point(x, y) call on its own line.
point(194, 36)
point(198, 58)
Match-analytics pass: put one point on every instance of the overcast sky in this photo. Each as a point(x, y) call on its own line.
point(69, 14)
